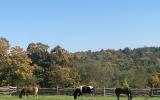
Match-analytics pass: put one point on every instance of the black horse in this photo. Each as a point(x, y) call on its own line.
point(83, 89)
point(33, 90)
point(126, 91)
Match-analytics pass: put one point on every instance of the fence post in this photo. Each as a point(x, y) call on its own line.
point(57, 89)
point(113, 92)
point(104, 91)
point(151, 91)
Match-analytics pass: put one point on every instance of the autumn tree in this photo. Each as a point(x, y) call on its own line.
point(4, 58)
point(62, 70)
point(154, 80)
point(4, 49)
point(21, 70)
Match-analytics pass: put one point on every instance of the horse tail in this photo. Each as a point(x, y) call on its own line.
point(21, 93)
point(36, 91)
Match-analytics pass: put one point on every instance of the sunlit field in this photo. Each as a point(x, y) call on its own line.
point(63, 97)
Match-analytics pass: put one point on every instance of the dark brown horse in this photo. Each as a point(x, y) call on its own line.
point(126, 91)
point(33, 90)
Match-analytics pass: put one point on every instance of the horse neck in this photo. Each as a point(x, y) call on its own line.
point(77, 92)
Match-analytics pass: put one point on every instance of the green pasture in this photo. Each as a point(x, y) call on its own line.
point(63, 97)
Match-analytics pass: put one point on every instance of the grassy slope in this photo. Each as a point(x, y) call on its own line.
point(71, 98)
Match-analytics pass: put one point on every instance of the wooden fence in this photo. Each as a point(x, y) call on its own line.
point(8, 90)
point(69, 91)
point(135, 91)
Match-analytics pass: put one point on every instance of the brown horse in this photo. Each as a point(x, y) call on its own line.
point(33, 90)
point(126, 91)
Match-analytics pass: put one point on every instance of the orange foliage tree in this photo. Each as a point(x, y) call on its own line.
point(154, 80)
point(4, 49)
point(21, 65)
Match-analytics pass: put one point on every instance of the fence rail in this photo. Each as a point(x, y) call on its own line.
point(69, 91)
point(8, 90)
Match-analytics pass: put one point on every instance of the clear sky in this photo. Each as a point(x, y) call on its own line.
point(80, 25)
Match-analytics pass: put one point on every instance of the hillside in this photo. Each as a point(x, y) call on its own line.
point(118, 67)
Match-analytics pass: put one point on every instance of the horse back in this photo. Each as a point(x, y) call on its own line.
point(122, 91)
point(30, 89)
point(87, 89)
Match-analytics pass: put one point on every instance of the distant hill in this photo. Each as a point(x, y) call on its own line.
point(113, 68)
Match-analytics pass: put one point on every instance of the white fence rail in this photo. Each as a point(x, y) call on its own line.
point(8, 90)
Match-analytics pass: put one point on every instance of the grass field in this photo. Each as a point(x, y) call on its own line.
point(2, 97)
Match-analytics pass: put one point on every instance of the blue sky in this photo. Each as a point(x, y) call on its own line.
point(80, 25)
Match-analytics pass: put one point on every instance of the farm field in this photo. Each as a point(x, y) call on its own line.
point(63, 97)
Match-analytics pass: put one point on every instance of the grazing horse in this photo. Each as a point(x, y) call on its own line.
point(33, 90)
point(127, 91)
point(83, 89)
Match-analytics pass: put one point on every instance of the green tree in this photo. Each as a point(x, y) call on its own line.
point(62, 71)
point(40, 56)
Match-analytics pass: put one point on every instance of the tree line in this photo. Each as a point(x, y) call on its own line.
point(136, 68)
point(20, 67)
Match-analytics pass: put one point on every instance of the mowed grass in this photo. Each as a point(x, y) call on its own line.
point(64, 97)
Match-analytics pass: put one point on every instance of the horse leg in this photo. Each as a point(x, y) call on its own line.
point(128, 96)
point(78, 97)
point(91, 95)
point(36, 95)
point(117, 96)
point(81, 96)
point(27, 95)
